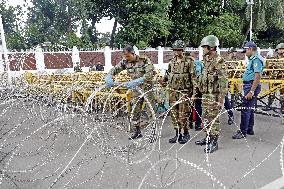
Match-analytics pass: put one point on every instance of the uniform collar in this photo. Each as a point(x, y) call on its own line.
point(213, 57)
point(254, 56)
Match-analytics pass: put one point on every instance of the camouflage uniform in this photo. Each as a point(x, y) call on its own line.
point(179, 77)
point(281, 56)
point(141, 67)
point(181, 87)
point(232, 58)
point(214, 86)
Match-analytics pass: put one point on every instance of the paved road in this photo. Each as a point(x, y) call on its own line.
point(45, 148)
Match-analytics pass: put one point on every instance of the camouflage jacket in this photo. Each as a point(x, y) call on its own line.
point(214, 76)
point(141, 67)
point(232, 58)
point(181, 75)
point(279, 56)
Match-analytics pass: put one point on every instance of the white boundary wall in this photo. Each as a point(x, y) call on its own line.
point(39, 56)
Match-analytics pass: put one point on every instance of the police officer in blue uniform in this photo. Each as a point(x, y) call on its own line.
point(251, 89)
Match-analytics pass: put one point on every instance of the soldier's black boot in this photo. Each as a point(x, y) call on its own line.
point(185, 137)
point(202, 141)
point(190, 125)
point(136, 134)
point(231, 120)
point(212, 146)
point(178, 137)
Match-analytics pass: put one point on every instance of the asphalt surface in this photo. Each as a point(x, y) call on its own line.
point(44, 147)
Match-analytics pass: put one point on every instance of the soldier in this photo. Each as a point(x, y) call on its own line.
point(251, 88)
point(214, 87)
point(99, 67)
point(179, 77)
point(232, 54)
point(279, 51)
point(280, 55)
point(141, 72)
point(77, 67)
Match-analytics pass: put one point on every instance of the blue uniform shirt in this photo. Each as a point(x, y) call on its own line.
point(198, 67)
point(255, 65)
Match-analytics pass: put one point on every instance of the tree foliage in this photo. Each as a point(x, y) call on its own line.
point(11, 24)
point(143, 22)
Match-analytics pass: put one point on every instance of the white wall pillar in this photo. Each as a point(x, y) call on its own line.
point(107, 54)
point(39, 57)
point(75, 56)
point(161, 64)
point(200, 55)
point(5, 51)
point(218, 51)
point(1, 60)
point(136, 50)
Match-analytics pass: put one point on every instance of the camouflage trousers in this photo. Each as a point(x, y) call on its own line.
point(138, 107)
point(211, 110)
point(179, 112)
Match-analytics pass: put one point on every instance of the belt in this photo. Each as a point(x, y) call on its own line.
point(248, 82)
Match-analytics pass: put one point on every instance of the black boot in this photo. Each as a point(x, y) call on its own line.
point(185, 138)
point(202, 141)
point(231, 120)
point(136, 134)
point(178, 137)
point(212, 146)
point(190, 125)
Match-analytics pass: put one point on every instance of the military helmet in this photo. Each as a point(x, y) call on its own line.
point(279, 46)
point(210, 40)
point(232, 49)
point(178, 44)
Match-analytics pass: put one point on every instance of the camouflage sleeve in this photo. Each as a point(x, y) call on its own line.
point(193, 75)
point(222, 76)
point(117, 68)
point(149, 71)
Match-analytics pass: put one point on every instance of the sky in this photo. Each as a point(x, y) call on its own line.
point(104, 26)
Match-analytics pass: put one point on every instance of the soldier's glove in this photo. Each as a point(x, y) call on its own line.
point(134, 83)
point(109, 81)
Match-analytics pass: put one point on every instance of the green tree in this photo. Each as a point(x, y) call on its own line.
point(51, 21)
point(226, 27)
point(145, 21)
point(12, 26)
point(190, 19)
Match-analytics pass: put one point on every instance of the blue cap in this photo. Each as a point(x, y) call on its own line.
point(248, 45)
